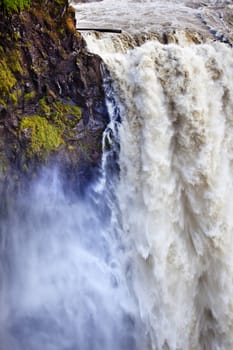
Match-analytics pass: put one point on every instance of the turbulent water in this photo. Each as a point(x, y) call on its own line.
point(143, 259)
point(207, 18)
point(65, 272)
point(176, 163)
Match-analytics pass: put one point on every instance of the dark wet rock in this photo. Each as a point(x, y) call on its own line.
point(52, 103)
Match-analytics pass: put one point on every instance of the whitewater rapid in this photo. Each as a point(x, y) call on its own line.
point(176, 183)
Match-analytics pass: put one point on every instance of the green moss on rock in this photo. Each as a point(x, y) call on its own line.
point(11, 6)
point(65, 116)
point(14, 61)
point(14, 96)
point(10, 65)
point(29, 96)
point(44, 137)
point(44, 106)
point(7, 79)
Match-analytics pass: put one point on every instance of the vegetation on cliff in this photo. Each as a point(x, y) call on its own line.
point(44, 137)
point(51, 94)
point(11, 6)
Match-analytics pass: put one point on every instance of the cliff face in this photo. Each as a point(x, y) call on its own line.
point(51, 95)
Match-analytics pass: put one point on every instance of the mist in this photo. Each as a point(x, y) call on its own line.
point(65, 271)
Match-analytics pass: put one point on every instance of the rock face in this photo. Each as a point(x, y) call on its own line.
point(52, 105)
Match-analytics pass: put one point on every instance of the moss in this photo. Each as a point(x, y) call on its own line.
point(3, 103)
point(71, 148)
point(10, 6)
point(7, 79)
point(44, 137)
point(40, 66)
point(29, 96)
point(65, 116)
point(14, 61)
point(61, 31)
point(17, 36)
point(14, 96)
point(10, 64)
point(44, 107)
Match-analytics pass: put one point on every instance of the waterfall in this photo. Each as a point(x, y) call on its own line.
point(65, 266)
point(142, 260)
point(176, 184)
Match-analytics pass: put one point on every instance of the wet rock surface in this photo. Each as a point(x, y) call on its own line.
point(52, 103)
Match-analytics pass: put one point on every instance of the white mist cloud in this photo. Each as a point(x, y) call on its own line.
point(63, 275)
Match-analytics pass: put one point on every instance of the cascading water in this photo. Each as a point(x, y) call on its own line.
point(143, 261)
point(176, 176)
point(65, 267)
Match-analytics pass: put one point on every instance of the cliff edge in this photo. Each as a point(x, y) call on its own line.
point(52, 106)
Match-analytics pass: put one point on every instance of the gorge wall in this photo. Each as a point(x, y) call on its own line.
point(51, 94)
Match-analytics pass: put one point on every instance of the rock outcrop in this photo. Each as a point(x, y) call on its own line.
point(52, 105)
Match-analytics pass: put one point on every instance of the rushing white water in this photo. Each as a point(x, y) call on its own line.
point(208, 18)
point(176, 185)
point(143, 261)
point(63, 273)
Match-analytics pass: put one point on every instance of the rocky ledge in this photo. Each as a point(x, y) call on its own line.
point(52, 105)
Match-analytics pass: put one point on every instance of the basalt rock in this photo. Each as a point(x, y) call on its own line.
point(52, 105)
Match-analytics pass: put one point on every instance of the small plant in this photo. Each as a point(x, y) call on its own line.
point(11, 6)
